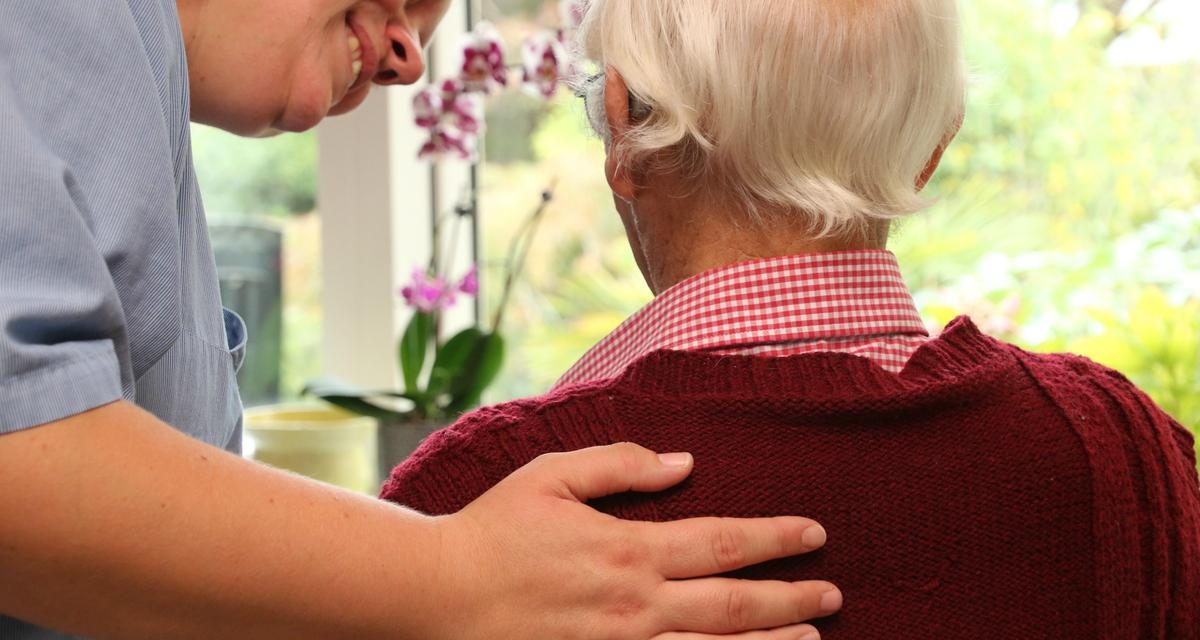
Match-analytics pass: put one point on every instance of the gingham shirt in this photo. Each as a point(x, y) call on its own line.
point(852, 302)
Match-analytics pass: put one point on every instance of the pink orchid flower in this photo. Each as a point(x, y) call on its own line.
point(428, 294)
point(545, 65)
point(450, 142)
point(470, 282)
point(428, 108)
point(466, 113)
point(483, 69)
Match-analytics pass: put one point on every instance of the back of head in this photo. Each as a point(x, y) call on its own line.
point(829, 109)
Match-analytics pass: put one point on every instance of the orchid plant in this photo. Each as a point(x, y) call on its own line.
point(444, 377)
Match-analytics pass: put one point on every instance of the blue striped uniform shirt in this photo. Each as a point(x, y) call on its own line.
point(108, 289)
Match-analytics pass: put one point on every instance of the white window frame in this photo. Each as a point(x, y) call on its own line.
point(377, 204)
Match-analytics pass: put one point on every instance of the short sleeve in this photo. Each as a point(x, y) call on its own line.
point(61, 320)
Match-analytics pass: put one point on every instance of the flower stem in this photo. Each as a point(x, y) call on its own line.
point(518, 252)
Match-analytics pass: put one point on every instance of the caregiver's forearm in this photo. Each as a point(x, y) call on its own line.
point(114, 525)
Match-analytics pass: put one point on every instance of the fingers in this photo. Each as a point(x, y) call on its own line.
point(724, 606)
point(707, 546)
point(602, 471)
point(799, 632)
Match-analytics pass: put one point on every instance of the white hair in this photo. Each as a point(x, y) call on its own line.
point(830, 109)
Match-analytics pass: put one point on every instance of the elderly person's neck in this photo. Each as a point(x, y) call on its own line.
point(676, 238)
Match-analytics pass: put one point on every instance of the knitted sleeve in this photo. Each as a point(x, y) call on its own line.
point(1145, 499)
point(458, 464)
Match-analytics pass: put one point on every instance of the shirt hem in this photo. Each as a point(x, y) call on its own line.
point(39, 398)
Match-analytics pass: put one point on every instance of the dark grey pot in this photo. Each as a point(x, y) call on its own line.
point(398, 440)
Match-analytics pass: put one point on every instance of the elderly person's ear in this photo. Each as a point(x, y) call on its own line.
point(936, 159)
point(617, 119)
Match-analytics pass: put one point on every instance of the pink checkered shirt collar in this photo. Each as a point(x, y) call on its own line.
point(854, 302)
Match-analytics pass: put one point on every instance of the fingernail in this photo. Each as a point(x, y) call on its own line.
point(675, 459)
point(811, 635)
point(814, 537)
point(831, 601)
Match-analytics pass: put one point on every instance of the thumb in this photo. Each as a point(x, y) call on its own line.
point(603, 471)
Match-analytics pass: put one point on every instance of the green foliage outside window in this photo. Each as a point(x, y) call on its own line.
point(1068, 214)
point(245, 178)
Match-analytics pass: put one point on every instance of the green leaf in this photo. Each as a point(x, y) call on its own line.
point(452, 358)
point(479, 373)
point(332, 386)
point(364, 407)
point(352, 398)
point(413, 349)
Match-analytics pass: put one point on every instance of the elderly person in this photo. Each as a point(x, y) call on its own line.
point(758, 152)
point(124, 512)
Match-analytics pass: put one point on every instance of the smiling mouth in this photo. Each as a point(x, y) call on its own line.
point(364, 61)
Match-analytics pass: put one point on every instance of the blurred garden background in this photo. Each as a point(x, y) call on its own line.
point(1068, 219)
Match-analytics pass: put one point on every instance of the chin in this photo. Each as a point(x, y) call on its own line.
point(352, 101)
point(236, 124)
point(300, 119)
point(304, 115)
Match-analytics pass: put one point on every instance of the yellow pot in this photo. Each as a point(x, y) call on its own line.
point(320, 442)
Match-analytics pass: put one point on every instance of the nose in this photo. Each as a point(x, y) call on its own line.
point(404, 62)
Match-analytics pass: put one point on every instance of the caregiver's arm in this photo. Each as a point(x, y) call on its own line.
point(114, 525)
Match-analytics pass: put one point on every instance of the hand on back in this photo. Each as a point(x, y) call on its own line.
point(530, 560)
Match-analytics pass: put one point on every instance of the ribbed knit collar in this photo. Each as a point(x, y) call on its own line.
point(960, 355)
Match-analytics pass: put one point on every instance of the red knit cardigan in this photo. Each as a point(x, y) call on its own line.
point(984, 492)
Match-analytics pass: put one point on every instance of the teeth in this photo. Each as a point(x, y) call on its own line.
point(356, 57)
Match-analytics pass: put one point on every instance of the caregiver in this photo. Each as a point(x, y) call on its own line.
point(124, 509)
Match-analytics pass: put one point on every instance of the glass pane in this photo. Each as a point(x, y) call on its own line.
point(1068, 214)
point(260, 197)
point(581, 280)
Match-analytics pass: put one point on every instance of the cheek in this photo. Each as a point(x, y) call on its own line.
point(244, 101)
point(302, 114)
point(309, 93)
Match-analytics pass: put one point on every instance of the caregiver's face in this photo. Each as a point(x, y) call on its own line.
point(258, 65)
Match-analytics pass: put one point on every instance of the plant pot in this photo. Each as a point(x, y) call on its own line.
point(398, 440)
point(317, 441)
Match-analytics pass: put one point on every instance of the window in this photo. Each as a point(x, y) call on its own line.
point(260, 197)
point(1069, 213)
point(581, 280)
